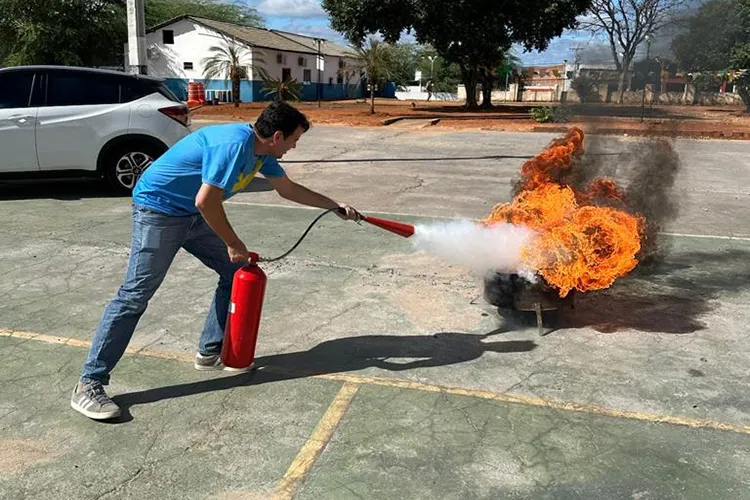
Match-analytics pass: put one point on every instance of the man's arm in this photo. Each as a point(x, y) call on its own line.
point(209, 202)
point(298, 193)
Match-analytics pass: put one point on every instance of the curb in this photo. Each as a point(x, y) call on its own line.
point(689, 134)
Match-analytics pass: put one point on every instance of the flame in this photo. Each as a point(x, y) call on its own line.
point(578, 244)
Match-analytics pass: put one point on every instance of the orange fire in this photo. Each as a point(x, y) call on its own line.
point(578, 244)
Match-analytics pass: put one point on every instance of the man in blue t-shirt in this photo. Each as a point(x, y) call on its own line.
point(178, 203)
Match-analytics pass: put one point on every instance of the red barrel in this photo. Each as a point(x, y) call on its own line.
point(201, 93)
point(193, 95)
point(243, 321)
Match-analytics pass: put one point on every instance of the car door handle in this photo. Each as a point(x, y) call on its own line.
point(22, 119)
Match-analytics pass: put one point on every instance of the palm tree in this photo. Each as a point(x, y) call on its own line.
point(229, 62)
point(282, 90)
point(377, 62)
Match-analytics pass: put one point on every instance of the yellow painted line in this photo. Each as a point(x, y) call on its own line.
point(419, 386)
point(545, 403)
point(318, 440)
point(52, 339)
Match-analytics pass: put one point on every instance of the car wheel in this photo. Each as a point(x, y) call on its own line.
point(125, 164)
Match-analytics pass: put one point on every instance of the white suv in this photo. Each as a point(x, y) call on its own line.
point(59, 121)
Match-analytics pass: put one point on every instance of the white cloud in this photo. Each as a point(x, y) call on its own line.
point(317, 30)
point(291, 8)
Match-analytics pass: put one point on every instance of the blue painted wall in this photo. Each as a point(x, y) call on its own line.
point(252, 91)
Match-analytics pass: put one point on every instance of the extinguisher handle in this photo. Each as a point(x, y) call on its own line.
point(254, 257)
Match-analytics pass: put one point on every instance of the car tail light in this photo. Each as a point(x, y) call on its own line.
point(180, 114)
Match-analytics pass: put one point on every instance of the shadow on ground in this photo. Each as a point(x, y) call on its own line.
point(668, 295)
point(79, 189)
point(387, 352)
point(614, 111)
point(57, 189)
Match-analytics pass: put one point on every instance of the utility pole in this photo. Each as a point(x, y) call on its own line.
point(320, 63)
point(646, 79)
point(576, 59)
point(136, 38)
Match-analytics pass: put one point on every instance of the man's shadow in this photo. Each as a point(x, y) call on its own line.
point(337, 356)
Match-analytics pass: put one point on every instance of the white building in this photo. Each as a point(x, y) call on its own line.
point(176, 49)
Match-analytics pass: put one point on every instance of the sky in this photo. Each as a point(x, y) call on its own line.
point(307, 17)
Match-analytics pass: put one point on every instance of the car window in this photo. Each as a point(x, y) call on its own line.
point(135, 89)
point(16, 87)
point(80, 89)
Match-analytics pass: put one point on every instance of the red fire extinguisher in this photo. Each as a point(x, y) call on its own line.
point(245, 307)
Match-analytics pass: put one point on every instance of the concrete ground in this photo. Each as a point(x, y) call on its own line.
point(383, 372)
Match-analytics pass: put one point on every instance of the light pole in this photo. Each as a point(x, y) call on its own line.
point(319, 64)
point(432, 64)
point(645, 81)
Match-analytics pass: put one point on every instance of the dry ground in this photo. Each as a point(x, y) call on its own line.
point(685, 121)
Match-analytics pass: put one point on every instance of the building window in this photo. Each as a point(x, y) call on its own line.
point(307, 76)
point(302, 61)
point(187, 65)
point(279, 59)
point(286, 73)
point(167, 36)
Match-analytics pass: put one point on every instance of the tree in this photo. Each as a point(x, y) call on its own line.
point(445, 76)
point(282, 90)
point(158, 11)
point(403, 63)
point(626, 24)
point(71, 32)
point(229, 62)
point(585, 87)
point(473, 34)
point(91, 32)
point(376, 60)
point(710, 35)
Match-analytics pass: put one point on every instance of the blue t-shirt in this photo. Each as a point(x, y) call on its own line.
point(220, 155)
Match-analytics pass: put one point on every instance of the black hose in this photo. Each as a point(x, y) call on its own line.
point(263, 259)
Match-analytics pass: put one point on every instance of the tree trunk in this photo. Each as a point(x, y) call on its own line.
point(236, 91)
point(488, 82)
point(470, 79)
point(623, 83)
point(372, 98)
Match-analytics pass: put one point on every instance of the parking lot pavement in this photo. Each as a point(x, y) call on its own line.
point(399, 376)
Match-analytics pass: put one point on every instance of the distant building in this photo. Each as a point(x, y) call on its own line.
point(176, 49)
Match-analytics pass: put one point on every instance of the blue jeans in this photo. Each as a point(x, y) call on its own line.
point(156, 239)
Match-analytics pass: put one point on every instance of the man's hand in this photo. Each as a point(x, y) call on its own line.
point(348, 213)
point(238, 252)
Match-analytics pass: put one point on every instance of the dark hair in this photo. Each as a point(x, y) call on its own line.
point(282, 116)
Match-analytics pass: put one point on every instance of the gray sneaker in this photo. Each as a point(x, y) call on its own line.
point(208, 362)
point(90, 399)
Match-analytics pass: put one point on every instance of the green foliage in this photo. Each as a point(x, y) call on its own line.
point(282, 90)
point(71, 32)
point(743, 88)
point(403, 63)
point(741, 55)
point(230, 62)
point(707, 82)
point(585, 87)
point(555, 114)
point(158, 11)
point(91, 32)
point(712, 34)
point(475, 42)
point(377, 61)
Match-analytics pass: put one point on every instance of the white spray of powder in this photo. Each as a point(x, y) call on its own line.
point(476, 247)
